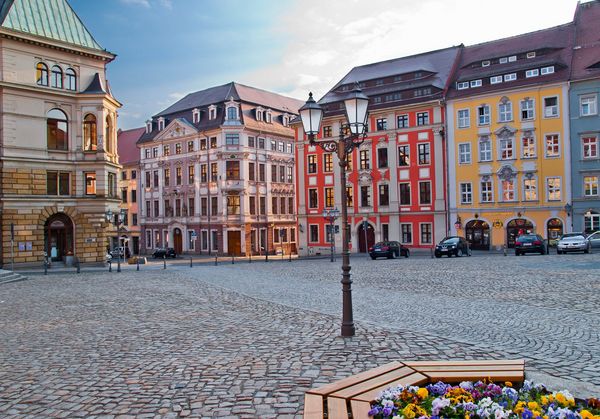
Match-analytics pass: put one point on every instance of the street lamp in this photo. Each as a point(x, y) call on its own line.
point(117, 221)
point(355, 104)
point(331, 215)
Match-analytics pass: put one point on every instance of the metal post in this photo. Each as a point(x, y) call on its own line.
point(191, 263)
point(110, 265)
point(267, 245)
point(165, 261)
point(331, 236)
point(45, 265)
point(347, 320)
point(137, 262)
point(216, 261)
point(431, 249)
point(504, 249)
point(250, 257)
point(232, 260)
point(77, 266)
point(365, 226)
point(119, 258)
point(290, 253)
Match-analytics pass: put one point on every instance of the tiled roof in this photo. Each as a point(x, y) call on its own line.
point(586, 54)
point(95, 85)
point(53, 19)
point(126, 145)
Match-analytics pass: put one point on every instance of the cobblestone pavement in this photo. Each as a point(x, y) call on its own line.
point(247, 340)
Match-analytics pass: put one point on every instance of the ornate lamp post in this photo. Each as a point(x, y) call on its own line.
point(118, 222)
point(331, 215)
point(355, 104)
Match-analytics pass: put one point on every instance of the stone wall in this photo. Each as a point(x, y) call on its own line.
point(17, 181)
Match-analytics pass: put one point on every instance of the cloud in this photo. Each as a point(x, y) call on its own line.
point(167, 4)
point(144, 3)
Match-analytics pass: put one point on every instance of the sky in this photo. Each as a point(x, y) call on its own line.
point(169, 48)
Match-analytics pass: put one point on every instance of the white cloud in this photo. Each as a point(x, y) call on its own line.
point(144, 3)
point(168, 4)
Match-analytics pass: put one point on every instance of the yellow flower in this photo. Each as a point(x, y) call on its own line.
point(508, 384)
point(544, 400)
point(586, 414)
point(519, 408)
point(561, 398)
point(422, 393)
point(412, 410)
point(536, 413)
point(533, 406)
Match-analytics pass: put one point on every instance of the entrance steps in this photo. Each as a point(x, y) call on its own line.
point(10, 276)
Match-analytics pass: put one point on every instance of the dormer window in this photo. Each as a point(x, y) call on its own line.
point(148, 127)
point(503, 60)
point(462, 85)
point(547, 70)
point(161, 123)
point(285, 120)
point(268, 116)
point(212, 112)
point(512, 58)
point(485, 63)
point(260, 113)
point(232, 113)
point(476, 83)
point(195, 115)
point(531, 54)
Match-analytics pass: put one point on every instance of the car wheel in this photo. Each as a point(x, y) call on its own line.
point(542, 252)
point(469, 253)
point(558, 252)
point(586, 251)
point(373, 257)
point(459, 253)
point(438, 256)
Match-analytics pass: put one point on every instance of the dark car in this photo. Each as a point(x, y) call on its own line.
point(530, 243)
point(453, 246)
point(388, 249)
point(121, 251)
point(164, 252)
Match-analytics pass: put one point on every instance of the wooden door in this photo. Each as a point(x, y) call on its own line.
point(365, 240)
point(234, 243)
point(177, 241)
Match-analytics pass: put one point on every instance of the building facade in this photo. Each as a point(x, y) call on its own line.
point(396, 179)
point(58, 151)
point(585, 119)
point(129, 187)
point(218, 174)
point(508, 139)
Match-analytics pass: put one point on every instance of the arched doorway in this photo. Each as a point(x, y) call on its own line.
point(554, 228)
point(478, 234)
point(515, 228)
point(366, 238)
point(58, 237)
point(177, 241)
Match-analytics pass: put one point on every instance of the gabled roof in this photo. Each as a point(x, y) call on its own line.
point(126, 145)
point(586, 52)
point(52, 19)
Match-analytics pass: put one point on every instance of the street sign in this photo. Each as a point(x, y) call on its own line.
point(365, 224)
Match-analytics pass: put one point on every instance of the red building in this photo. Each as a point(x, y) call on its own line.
point(396, 178)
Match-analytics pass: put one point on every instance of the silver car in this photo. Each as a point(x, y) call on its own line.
point(594, 239)
point(573, 243)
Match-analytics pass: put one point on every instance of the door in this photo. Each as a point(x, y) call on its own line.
point(58, 235)
point(136, 245)
point(234, 243)
point(554, 231)
point(515, 228)
point(177, 241)
point(478, 234)
point(366, 237)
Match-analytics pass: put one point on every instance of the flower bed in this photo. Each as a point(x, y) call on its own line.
point(481, 400)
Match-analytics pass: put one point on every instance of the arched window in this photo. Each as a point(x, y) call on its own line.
point(57, 77)
point(70, 79)
point(41, 74)
point(57, 130)
point(232, 113)
point(90, 139)
point(108, 136)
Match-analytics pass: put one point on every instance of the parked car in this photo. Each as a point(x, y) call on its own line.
point(121, 251)
point(453, 245)
point(388, 249)
point(594, 239)
point(164, 252)
point(530, 243)
point(573, 243)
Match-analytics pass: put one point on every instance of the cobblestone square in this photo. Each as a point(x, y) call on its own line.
point(246, 340)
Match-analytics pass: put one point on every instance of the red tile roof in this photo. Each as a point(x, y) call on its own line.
point(586, 53)
point(126, 145)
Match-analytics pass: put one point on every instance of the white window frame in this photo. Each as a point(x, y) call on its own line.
point(505, 112)
point(528, 110)
point(503, 60)
point(535, 188)
point(547, 70)
point(421, 233)
point(485, 155)
point(482, 191)
point(590, 145)
point(485, 63)
point(534, 72)
point(476, 83)
point(592, 102)
point(310, 240)
point(510, 77)
point(464, 153)
point(495, 79)
point(412, 237)
point(531, 54)
point(464, 120)
point(558, 153)
point(554, 109)
point(501, 148)
point(514, 191)
point(554, 189)
point(512, 58)
point(462, 85)
point(486, 115)
point(466, 193)
point(523, 156)
point(592, 183)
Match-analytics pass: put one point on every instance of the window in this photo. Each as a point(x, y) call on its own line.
point(178, 207)
point(476, 83)
point(530, 189)
point(148, 183)
point(42, 74)
point(483, 115)
point(404, 155)
point(251, 141)
point(506, 149)
point(313, 198)
point(148, 239)
point(314, 233)
point(532, 73)
point(281, 146)
point(495, 79)
point(503, 60)
point(485, 63)
point(552, 145)
point(133, 174)
point(485, 150)
point(466, 193)
point(381, 124)
point(382, 157)
point(590, 147)
point(191, 175)
point(90, 134)
point(124, 195)
point(312, 163)
point(510, 77)
point(424, 153)
point(156, 209)
point(133, 196)
point(328, 162)
point(528, 147)
point(212, 112)
point(327, 131)
point(213, 142)
point(462, 85)
point(214, 240)
point(349, 196)
point(547, 70)
point(261, 172)
point(281, 174)
point(273, 173)
point(426, 233)
point(464, 153)
point(262, 205)
point(274, 204)
point(56, 80)
point(57, 183)
point(349, 160)
point(166, 150)
point(406, 233)
point(365, 196)
point(512, 58)
point(112, 185)
point(554, 187)
point(232, 139)
point(57, 130)
point(178, 148)
point(134, 219)
point(365, 162)
point(155, 178)
point(487, 193)
point(527, 109)
point(178, 175)
point(290, 148)
point(232, 112)
point(204, 207)
point(233, 205)
point(273, 145)
point(203, 144)
point(550, 107)
point(203, 173)
point(251, 171)
point(402, 121)
point(232, 170)
point(124, 175)
point(261, 143)
point(108, 135)
point(405, 194)
point(422, 118)
point(425, 193)
point(214, 172)
point(508, 190)
point(590, 185)
point(384, 195)
point(291, 206)
point(147, 153)
point(588, 105)
point(531, 54)
point(505, 112)
point(252, 205)
point(90, 183)
point(464, 119)
point(329, 200)
point(166, 177)
point(290, 174)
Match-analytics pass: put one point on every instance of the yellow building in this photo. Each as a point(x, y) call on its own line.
point(508, 139)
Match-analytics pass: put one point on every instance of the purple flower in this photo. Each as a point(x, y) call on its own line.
point(387, 411)
point(438, 389)
point(374, 411)
point(527, 414)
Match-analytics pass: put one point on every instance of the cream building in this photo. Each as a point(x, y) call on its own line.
point(58, 151)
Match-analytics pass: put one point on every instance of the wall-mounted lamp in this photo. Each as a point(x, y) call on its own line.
point(476, 216)
point(519, 214)
point(301, 228)
point(568, 209)
point(458, 223)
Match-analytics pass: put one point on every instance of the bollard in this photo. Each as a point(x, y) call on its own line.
point(282, 254)
point(77, 266)
point(290, 258)
point(110, 266)
point(250, 257)
point(45, 267)
point(232, 261)
point(191, 263)
point(165, 262)
point(137, 262)
point(431, 249)
point(216, 260)
point(504, 249)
